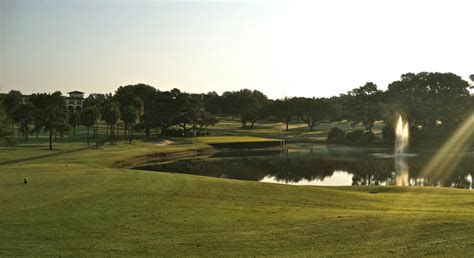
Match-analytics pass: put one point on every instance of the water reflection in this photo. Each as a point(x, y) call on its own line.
point(401, 171)
point(320, 166)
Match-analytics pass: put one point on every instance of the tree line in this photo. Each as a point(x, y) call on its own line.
point(434, 103)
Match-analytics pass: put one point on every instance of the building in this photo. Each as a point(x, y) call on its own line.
point(75, 100)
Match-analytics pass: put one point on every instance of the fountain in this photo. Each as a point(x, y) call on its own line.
point(401, 145)
point(401, 137)
point(400, 154)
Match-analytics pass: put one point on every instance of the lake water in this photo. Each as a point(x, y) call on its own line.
point(323, 165)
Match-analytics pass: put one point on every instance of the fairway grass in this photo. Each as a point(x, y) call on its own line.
point(75, 203)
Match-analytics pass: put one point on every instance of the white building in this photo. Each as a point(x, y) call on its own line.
point(75, 100)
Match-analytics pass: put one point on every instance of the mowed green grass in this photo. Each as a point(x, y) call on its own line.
point(297, 131)
point(76, 204)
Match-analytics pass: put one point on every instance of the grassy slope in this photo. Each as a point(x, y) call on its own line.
point(296, 132)
point(75, 204)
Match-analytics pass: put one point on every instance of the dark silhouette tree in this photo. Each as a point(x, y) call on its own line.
point(73, 121)
point(251, 106)
point(111, 115)
point(128, 96)
point(365, 105)
point(284, 110)
point(313, 111)
point(431, 100)
point(89, 117)
point(190, 108)
point(11, 102)
point(24, 116)
point(50, 112)
point(130, 117)
point(5, 131)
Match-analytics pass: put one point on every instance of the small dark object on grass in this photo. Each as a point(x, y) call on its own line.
point(25, 181)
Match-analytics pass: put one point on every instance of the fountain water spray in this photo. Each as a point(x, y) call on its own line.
point(401, 137)
point(401, 145)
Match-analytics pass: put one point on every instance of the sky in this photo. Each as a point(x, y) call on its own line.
point(282, 48)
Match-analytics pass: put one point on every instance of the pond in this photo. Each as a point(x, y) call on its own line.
point(324, 165)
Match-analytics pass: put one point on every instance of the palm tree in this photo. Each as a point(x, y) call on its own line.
point(111, 115)
point(89, 117)
point(130, 118)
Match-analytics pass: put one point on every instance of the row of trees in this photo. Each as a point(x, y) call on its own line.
point(140, 108)
point(429, 100)
point(433, 102)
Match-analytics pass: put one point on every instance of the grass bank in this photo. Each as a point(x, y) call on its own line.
point(76, 203)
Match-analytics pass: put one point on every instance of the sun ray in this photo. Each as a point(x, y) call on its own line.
point(450, 154)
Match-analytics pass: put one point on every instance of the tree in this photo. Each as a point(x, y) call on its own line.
point(89, 117)
point(11, 101)
point(5, 131)
point(96, 100)
point(130, 118)
point(251, 106)
point(365, 105)
point(313, 111)
point(431, 100)
point(231, 106)
point(204, 119)
point(111, 115)
point(213, 102)
point(137, 104)
point(24, 115)
point(73, 121)
point(471, 77)
point(50, 112)
point(284, 110)
point(146, 94)
point(190, 109)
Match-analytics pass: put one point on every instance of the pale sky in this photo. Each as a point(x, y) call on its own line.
point(305, 48)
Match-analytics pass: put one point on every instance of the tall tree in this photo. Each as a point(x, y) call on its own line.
point(11, 102)
point(431, 100)
point(89, 117)
point(73, 121)
point(137, 105)
point(313, 111)
point(284, 110)
point(24, 115)
point(111, 115)
point(213, 102)
point(128, 95)
point(190, 108)
point(5, 131)
point(51, 112)
point(204, 120)
point(251, 106)
point(365, 105)
point(130, 117)
point(97, 100)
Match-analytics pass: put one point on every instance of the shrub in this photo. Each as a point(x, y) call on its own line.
point(354, 137)
point(388, 134)
point(336, 135)
point(172, 132)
